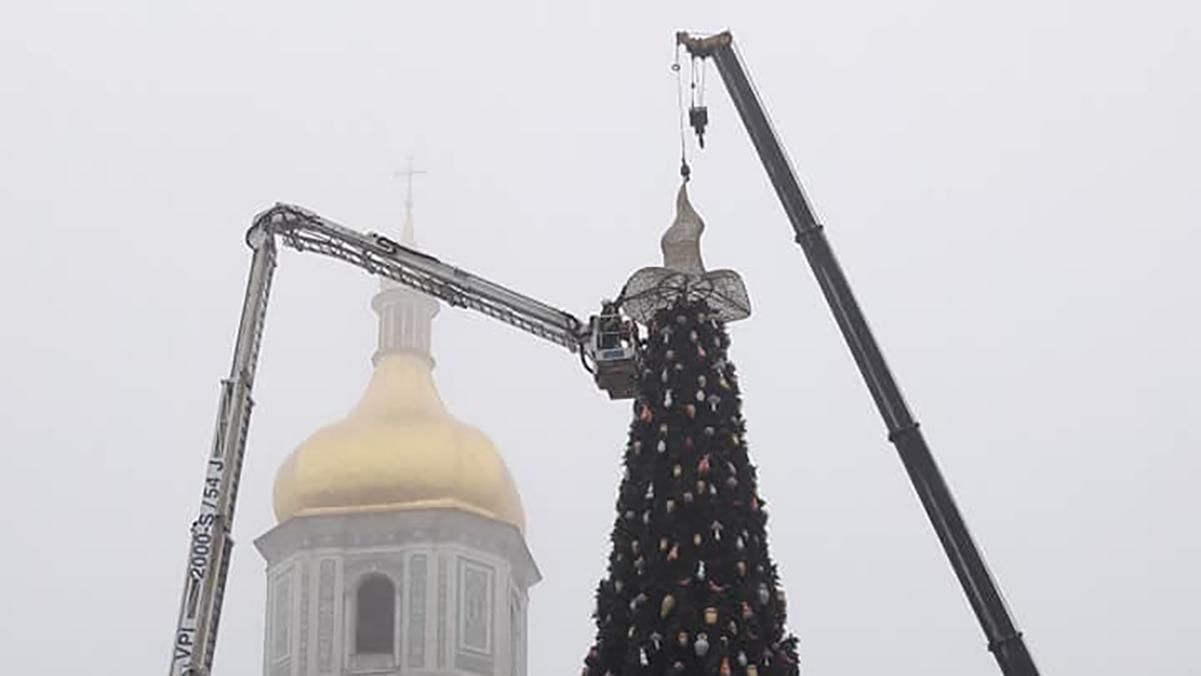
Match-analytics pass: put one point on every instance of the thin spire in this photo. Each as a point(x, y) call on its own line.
point(405, 315)
point(408, 236)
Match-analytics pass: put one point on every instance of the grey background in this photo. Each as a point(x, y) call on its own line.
point(1012, 187)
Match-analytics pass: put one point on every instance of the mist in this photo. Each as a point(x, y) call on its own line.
point(1011, 189)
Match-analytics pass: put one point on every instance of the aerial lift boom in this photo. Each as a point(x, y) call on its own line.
point(605, 344)
point(1004, 639)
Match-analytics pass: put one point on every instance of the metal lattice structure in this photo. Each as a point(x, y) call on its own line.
point(211, 545)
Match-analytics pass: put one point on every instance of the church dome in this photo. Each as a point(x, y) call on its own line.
point(398, 449)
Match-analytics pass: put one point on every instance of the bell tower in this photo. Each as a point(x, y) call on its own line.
point(400, 546)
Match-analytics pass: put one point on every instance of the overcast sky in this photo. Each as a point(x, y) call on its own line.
point(1013, 189)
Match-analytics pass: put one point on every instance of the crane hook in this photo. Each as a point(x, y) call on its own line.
point(698, 117)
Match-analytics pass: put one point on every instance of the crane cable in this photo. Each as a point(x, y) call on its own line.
point(685, 170)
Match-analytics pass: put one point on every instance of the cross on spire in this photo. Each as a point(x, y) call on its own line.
point(408, 173)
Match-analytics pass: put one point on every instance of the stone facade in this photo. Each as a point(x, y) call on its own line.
point(459, 594)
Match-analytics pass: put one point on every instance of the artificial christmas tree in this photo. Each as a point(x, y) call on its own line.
point(691, 588)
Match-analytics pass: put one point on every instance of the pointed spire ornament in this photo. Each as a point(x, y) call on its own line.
point(683, 274)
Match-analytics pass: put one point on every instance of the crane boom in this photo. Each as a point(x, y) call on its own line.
point(1004, 639)
point(211, 543)
point(304, 230)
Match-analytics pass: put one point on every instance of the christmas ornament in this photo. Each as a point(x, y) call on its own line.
point(725, 667)
point(668, 603)
point(701, 647)
point(710, 615)
point(637, 601)
point(752, 670)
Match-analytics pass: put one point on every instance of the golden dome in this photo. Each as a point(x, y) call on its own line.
point(398, 449)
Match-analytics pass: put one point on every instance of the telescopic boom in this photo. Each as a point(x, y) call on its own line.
point(1004, 639)
point(603, 343)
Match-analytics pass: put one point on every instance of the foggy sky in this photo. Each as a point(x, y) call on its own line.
point(1012, 189)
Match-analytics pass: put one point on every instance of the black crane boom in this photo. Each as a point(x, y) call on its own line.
point(1004, 639)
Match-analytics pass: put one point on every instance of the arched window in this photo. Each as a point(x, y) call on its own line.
point(375, 616)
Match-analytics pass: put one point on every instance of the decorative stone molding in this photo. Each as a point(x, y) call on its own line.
point(418, 579)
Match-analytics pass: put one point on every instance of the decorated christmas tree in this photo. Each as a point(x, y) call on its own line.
point(691, 588)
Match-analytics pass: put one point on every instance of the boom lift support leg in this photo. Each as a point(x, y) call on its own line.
point(209, 553)
point(1004, 640)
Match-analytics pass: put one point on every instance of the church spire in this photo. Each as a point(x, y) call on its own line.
point(405, 315)
point(407, 236)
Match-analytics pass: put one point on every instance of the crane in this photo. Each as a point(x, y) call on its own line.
point(606, 344)
point(1004, 640)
